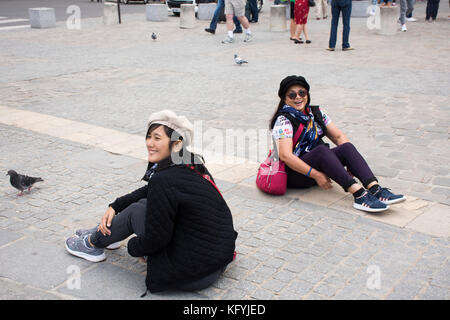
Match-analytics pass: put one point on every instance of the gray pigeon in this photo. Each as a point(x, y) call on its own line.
point(154, 36)
point(21, 182)
point(239, 61)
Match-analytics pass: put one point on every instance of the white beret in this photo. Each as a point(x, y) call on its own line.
point(178, 123)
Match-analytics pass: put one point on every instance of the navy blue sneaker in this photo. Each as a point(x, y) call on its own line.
point(369, 203)
point(387, 197)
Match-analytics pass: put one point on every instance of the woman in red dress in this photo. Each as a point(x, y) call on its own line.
point(301, 11)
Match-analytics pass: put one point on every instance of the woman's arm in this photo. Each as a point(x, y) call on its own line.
point(122, 202)
point(336, 135)
point(162, 206)
point(295, 163)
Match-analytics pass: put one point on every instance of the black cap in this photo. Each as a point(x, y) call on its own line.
point(288, 82)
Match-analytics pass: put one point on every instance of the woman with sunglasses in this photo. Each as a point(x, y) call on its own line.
point(181, 221)
point(309, 161)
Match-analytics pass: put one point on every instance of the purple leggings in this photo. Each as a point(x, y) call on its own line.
point(332, 163)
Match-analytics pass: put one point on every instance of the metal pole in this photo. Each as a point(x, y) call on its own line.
point(118, 11)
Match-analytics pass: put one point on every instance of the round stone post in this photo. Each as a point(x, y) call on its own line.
point(278, 18)
point(388, 20)
point(110, 13)
point(187, 16)
point(42, 17)
point(206, 11)
point(156, 12)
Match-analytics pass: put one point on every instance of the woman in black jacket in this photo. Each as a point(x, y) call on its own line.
point(183, 225)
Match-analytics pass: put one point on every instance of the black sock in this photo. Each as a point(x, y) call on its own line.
point(374, 189)
point(358, 193)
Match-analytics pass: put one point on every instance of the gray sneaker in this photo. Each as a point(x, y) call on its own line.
point(83, 232)
point(228, 39)
point(248, 37)
point(77, 246)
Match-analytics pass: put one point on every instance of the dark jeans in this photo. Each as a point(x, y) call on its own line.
point(432, 9)
point(331, 162)
point(251, 10)
point(336, 7)
point(125, 223)
point(215, 18)
point(132, 220)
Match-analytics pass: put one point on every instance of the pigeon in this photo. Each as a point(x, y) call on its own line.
point(239, 61)
point(21, 182)
point(154, 36)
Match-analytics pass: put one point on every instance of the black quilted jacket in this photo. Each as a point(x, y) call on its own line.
point(189, 229)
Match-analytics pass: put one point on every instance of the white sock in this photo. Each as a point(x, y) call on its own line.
point(247, 31)
point(230, 34)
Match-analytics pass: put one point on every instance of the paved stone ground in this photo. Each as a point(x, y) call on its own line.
point(395, 102)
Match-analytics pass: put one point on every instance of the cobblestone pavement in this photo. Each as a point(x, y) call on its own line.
point(395, 102)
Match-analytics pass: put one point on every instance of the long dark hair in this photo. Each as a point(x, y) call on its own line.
point(275, 115)
point(184, 156)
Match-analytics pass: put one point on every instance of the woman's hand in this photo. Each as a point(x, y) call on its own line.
point(106, 221)
point(322, 179)
point(142, 260)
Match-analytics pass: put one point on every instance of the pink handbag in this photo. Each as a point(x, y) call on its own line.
point(272, 177)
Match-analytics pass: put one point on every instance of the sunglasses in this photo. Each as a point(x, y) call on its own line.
point(302, 93)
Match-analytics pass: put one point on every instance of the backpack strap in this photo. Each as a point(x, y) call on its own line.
point(319, 119)
point(298, 133)
point(207, 177)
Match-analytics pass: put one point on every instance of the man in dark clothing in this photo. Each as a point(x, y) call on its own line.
point(338, 6)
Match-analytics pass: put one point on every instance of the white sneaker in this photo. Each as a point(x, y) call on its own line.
point(404, 28)
point(412, 19)
point(248, 37)
point(372, 11)
point(228, 39)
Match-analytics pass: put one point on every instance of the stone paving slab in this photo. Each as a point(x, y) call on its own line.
point(65, 114)
point(286, 250)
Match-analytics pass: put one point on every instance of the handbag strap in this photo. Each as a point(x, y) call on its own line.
point(206, 177)
point(298, 133)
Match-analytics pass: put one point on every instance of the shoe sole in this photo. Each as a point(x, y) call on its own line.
point(114, 246)
point(367, 209)
point(394, 201)
point(85, 255)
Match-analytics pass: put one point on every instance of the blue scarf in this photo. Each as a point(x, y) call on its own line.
point(309, 138)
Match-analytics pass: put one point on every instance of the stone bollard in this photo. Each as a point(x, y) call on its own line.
point(288, 9)
point(42, 17)
point(359, 8)
point(206, 11)
point(277, 18)
point(110, 13)
point(156, 12)
point(388, 20)
point(187, 16)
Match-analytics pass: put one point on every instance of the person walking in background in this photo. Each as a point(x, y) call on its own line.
point(403, 8)
point(251, 11)
point(301, 11)
point(409, 10)
point(236, 8)
point(293, 26)
point(215, 19)
point(321, 9)
point(432, 10)
point(338, 6)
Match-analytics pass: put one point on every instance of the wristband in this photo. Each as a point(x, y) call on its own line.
point(310, 169)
